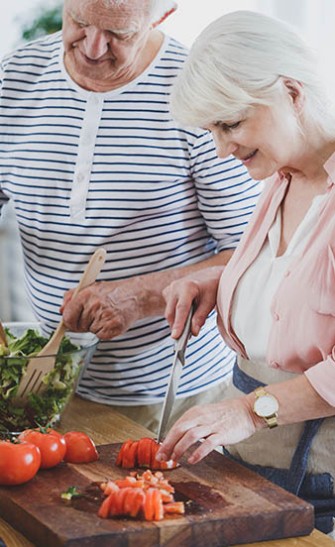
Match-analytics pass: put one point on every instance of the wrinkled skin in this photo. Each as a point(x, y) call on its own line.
point(106, 47)
point(106, 308)
point(227, 422)
point(110, 308)
point(199, 288)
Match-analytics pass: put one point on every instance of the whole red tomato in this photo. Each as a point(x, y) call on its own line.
point(79, 448)
point(19, 462)
point(51, 444)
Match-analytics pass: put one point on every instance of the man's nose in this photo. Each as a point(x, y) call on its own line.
point(95, 43)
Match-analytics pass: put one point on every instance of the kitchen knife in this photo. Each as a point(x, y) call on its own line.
point(177, 366)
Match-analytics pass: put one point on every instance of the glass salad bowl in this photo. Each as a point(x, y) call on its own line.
point(24, 341)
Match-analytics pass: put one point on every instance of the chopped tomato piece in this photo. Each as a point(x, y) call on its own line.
point(144, 452)
point(158, 505)
point(104, 509)
point(109, 487)
point(149, 510)
point(133, 501)
point(149, 495)
point(138, 503)
point(117, 506)
point(174, 507)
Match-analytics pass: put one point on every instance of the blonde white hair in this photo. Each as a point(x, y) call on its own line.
point(239, 61)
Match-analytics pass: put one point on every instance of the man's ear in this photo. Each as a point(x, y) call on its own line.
point(296, 91)
point(165, 15)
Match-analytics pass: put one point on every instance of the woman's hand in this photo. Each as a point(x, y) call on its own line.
point(199, 288)
point(227, 422)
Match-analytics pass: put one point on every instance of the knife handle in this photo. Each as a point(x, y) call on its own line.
point(181, 343)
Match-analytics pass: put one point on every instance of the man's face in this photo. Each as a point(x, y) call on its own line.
point(104, 44)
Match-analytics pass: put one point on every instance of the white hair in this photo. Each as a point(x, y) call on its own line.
point(239, 61)
point(157, 7)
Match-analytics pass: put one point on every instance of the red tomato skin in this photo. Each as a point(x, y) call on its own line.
point(52, 445)
point(80, 448)
point(19, 462)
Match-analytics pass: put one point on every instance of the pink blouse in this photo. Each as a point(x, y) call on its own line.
point(302, 334)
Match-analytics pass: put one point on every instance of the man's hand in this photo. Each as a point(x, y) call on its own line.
point(107, 309)
point(110, 308)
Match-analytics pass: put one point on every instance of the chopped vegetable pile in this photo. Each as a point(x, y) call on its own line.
point(142, 453)
point(149, 495)
point(40, 409)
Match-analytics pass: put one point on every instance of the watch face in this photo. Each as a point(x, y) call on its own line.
point(266, 405)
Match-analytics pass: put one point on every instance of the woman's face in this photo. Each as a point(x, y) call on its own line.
point(266, 138)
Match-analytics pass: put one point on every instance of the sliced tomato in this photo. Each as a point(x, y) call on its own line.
point(133, 501)
point(149, 510)
point(109, 487)
point(144, 452)
point(123, 452)
point(117, 507)
point(118, 460)
point(104, 509)
point(80, 448)
point(174, 507)
point(130, 455)
point(158, 505)
point(154, 464)
point(138, 503)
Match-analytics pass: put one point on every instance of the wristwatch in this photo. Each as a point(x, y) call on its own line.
point(266, 406)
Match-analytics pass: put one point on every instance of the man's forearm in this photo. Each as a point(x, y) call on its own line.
point(151, 286)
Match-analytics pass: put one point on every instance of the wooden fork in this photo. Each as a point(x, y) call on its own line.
point(44, 361)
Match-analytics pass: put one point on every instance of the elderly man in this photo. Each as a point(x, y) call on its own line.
point(91, 157)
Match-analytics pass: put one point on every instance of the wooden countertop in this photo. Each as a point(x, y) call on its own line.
point(105, 425)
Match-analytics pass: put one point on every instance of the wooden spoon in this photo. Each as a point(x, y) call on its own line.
point(37, 368)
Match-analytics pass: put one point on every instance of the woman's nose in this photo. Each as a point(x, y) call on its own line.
point(95, 43)
point(224, 144)
point(224, 147)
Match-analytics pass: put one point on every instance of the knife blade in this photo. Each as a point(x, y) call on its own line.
point(177, 367)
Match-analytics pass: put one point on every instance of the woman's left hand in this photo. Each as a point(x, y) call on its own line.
point(227, 422)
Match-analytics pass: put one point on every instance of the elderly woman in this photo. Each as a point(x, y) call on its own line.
point(253, 83)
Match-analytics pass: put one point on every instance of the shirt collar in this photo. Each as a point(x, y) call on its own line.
point(330, 169)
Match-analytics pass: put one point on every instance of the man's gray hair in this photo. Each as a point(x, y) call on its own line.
point(157, 7)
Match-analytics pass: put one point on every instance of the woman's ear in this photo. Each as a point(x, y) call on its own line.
point(165, 15)
point(296, 92)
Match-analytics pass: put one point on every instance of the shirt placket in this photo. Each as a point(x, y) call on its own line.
point(82, 173)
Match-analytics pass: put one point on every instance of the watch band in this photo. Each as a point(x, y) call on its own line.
point(271, 418)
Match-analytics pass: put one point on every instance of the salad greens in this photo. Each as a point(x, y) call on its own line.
point(41, 409)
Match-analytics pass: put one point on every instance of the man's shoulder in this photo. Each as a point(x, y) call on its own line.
point(175, 49)
point(41, 49)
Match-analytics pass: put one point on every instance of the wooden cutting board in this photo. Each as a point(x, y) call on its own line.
point(228, 505)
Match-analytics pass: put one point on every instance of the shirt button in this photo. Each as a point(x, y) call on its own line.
point(80, 177)
point(287, 273)
point(274, 364)
point(275, 316)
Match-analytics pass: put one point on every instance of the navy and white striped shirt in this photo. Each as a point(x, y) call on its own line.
point(114, 170)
